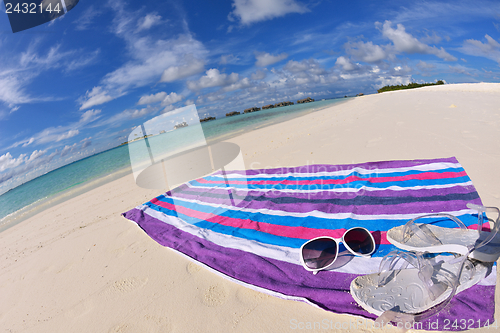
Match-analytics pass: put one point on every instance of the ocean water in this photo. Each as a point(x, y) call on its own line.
point(81, 176)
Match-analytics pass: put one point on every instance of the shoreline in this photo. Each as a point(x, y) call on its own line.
point(47, 202)
point(80, 266)
point(43, 204)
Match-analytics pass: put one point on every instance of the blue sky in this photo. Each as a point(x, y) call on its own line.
point(79, 85)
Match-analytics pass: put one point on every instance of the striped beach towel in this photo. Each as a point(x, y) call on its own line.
point(248, 226)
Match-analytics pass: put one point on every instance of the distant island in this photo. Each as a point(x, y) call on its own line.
point(183, 124)
point(305, 100)
point(136, 139)
point(251, 110)
point(207, 119)
point(408, 86)
point(270, 106)
point(277, 105)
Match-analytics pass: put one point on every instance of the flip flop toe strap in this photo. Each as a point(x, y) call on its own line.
point(481, 211)
point(423, 232)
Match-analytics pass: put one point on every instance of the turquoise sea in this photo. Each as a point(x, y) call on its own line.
point(81, 176)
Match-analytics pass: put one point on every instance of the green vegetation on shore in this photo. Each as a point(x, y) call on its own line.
point(408, 86)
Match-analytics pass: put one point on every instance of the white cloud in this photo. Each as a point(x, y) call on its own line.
point(242, 84)
point(10, 168)
point(17, 72)
point(168, 108)
point(50, 134)
point(173, 73)
point(90, 116)
point(259, 75)
point(490, 49)
point(82, 61)
point(67, 135)
point(31, 140)
point(162, 97)
point(151, 59)
point(459, 69)
point(295, 66)
point(96, 96)
point(12, 92)
point(126, 115)
point(389, 80)
point(422, 65)
point(309, 65)
point(213, 78)
point(265, 59)
point(171, 99)
point(153, 98)
point(228, 59)
point(86, 144)
point(138, 113)
point(35, 155)
point(148, 21)
point(346, 64)
point(53, 58)
point(251, 11)
point(149, 56)
point(404, 42)
point(85, 20)
point(431, 39)
point(367, 52)
point(60, 133)
point(68, 149)
point(34, 63)
point(8, 162)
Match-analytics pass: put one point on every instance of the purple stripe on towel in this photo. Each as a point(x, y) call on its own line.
point(329, 203)
point(218, 193)
point(329, 290)
point(333, 168)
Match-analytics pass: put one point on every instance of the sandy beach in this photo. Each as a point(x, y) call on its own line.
point(81, 267)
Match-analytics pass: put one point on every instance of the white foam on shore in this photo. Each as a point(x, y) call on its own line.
point(50, 201)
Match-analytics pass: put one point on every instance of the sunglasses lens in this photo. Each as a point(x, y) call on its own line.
point(360, 241)
point(319, 253)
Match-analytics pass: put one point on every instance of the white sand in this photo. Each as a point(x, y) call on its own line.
point(81, 267)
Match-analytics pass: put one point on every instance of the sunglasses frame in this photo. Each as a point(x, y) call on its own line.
point(337, 242)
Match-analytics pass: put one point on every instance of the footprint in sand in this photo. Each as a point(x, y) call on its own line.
point(81, 309)
point(123, 328)
point(193, 268)
point(123, 286)
point(161, 324)
point(250, 297)
point(214, 296)
point(127, 285)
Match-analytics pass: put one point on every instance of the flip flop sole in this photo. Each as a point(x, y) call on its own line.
point(406, 292)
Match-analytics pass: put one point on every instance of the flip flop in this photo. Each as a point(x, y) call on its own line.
point(426, 237)
point(406, 294)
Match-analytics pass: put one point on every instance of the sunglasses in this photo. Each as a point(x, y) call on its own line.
point(321, 252)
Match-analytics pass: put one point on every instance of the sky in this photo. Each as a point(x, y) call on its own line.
point(80, 84)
